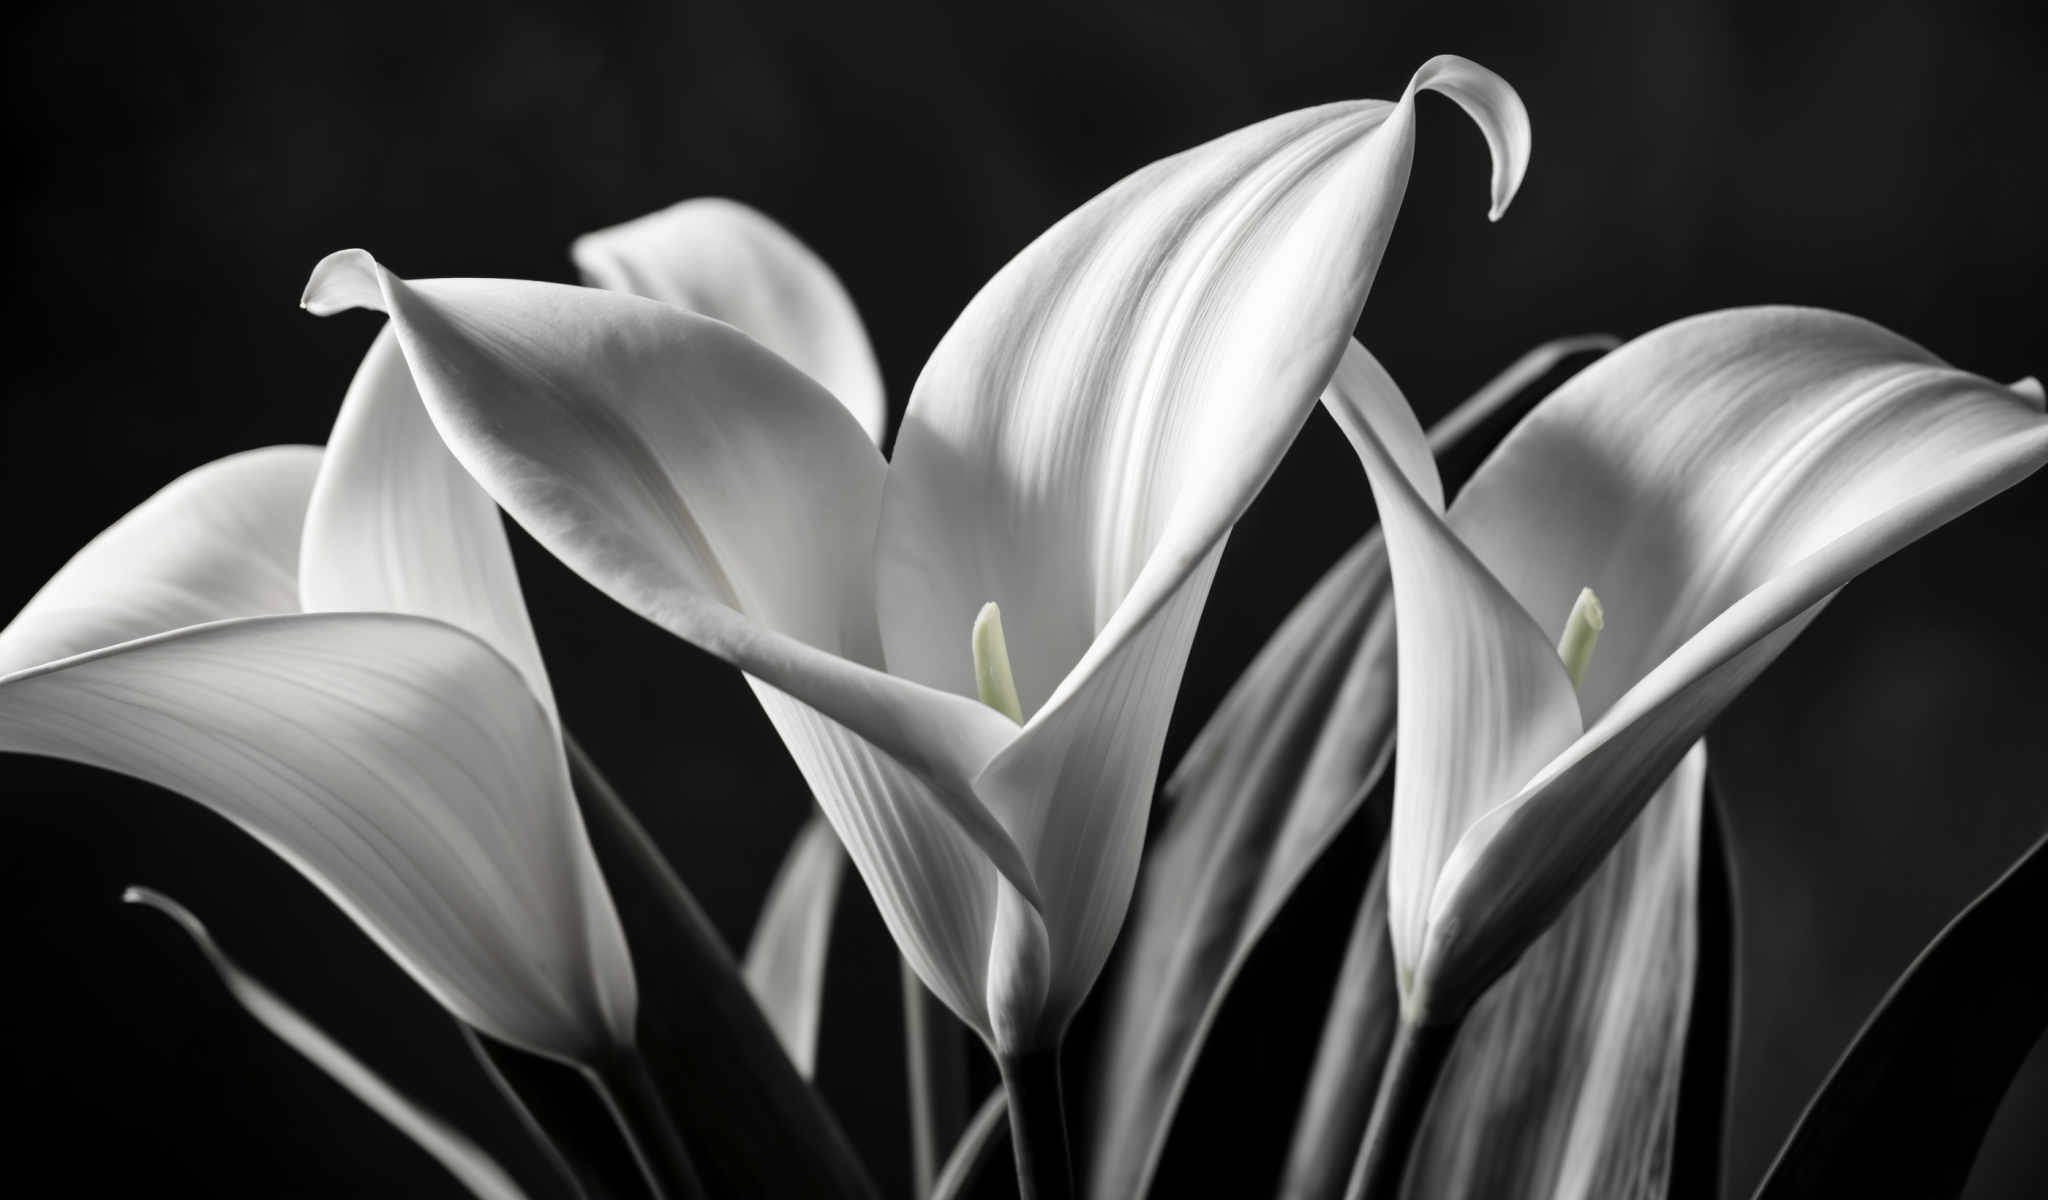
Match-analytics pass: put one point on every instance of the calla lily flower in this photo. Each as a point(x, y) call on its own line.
point(1713, 482)
point(331, 652)
point(1074, 453)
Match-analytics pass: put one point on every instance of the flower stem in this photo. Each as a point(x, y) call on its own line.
point(1413, 1067)
point(936, 1069)
point(629, 1092)
point(1038, 1124)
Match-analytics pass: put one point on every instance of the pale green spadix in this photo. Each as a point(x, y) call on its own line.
point(992, 678)
point(1581, 633)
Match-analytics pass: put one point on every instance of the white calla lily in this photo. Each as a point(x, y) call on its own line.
point(727, 261)
point(1713, 482)
point(1076, 451)
point(399, 749)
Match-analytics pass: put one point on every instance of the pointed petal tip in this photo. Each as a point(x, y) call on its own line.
point(343, 280)
point(1495, 106)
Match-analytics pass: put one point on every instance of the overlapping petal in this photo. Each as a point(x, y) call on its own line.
point(1484, 701)
point(395, 524)
point(220, 541)
point(1715, 481)
point(1081, 442)
point(406, 767)
point(681, 468)
point(401, 765)
point(726, 260)
point(1077, 450)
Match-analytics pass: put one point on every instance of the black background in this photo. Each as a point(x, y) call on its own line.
point(181, 167)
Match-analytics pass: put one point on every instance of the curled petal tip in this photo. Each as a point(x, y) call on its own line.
point(1494, 105)
point(343, 280)
point(2030, 387)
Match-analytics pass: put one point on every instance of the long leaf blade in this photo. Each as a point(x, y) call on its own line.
point(1906, 1107)
point(752, 1123)
point(1278, 771)
point(785, 963)
point(461, 1157)
point(1699, 1146)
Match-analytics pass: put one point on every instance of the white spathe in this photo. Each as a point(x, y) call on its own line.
point(1076, 450)
point(1714, 482)
point(728, 261)
point(404, 756)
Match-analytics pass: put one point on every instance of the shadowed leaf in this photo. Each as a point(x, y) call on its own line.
point(1357, 1033)
point(1905, 1110)
point(751, 1123)
point(1699, 1145)
point(461, 1157)
point(564, 1116)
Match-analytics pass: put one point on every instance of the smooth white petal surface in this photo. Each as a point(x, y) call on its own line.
point(726, 260)
point(1084, 437)
point(935, 888)
point(1484, 701)
point(1715, 481)
point(785, 963)
point(220, 541)
point(400, 764)
point(694, 477)
point(396, 525)
point(463, 1159)
point(1564, 1083)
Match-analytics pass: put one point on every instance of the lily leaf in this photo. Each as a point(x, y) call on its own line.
point(1699, 1150)
point(564, 1116)
point(785, 964)
point(475, 1169)
point(753, 1125)
point(1563, 1084)
point(1906, 1107)
point(1357, 1034)
point(986, 1135)
point(1275, 775)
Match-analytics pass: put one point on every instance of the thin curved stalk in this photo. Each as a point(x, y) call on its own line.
point(935, 1068)
point(982, 1141)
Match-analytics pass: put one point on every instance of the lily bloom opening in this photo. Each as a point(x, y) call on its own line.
point(1076, 451)
point(1715, 482)
point(332, 652)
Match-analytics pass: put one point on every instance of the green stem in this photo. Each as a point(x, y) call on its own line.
point(629, 1092)
point(936, 1068)
point(1414, 1064)
point(1038, 1125)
